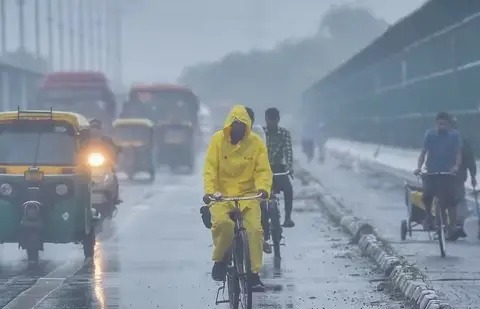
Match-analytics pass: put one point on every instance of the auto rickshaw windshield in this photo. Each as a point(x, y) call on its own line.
point(131, 133)
point(171, 105)
point(41, 143)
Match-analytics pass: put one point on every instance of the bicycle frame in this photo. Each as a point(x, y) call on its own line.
point(237, 275)
point(440, 214)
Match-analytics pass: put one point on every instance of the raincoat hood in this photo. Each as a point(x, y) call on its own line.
point(237, 113)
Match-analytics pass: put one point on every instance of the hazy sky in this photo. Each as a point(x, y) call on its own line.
point(185, 31)
point(161, 37)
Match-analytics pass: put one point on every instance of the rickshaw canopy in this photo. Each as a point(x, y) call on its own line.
point(133, 121)
point(77, 121)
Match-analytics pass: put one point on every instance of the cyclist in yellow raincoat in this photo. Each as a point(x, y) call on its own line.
point(237, 164)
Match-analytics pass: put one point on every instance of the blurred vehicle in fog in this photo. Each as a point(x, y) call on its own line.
point(135, 137)
point(85, 93)
point(174, 110)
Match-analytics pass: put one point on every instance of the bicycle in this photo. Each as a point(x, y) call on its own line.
point(439, 214)
point(273, 214)
point(239, 268)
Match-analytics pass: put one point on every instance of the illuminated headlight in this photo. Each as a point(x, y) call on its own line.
point(5, 189)
point(61, 189)
point(96, 159)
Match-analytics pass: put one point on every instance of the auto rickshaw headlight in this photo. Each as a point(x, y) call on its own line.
point(6, 189)
point(96, 159)
point(61, 189)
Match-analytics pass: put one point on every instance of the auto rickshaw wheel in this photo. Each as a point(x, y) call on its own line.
point(89, 244)
point(33, 254)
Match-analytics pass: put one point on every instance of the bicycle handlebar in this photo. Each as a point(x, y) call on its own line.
point(234, 199)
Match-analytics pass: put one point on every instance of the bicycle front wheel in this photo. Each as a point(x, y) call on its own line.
point(440, 230)
point(243, 266)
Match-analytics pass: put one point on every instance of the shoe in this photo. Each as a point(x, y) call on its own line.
point(256, 284)
point(452, 234)
point(267, 248)
point(288, 223)
point(219, 271)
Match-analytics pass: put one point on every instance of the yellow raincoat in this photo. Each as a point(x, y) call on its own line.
point(237, 170)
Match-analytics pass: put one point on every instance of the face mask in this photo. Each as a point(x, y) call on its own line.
point(237, 133)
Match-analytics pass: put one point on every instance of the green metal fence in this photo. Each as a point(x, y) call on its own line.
point(394, 101)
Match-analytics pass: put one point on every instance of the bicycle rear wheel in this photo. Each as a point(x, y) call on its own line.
point(276, 228)
point(243, 266)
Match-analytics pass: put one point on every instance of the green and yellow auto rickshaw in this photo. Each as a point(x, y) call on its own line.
point(45, 188)
point(174, 110)
point(135, 137)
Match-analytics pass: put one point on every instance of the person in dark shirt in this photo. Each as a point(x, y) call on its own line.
point(468, 166)
point(442, 148)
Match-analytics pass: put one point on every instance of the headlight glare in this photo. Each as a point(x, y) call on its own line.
point(96, 159)
point(61, 189)
point(6, 189)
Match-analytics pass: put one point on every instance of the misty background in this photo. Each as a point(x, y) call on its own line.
point(256, 52)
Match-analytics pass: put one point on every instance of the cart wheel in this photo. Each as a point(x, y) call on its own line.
point(409, 228)
point(89, 244)
point(403, 230)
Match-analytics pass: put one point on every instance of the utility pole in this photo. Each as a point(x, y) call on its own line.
point(38, 51)
point(50, 32)
point(21, 23)
point(109, 28)
point(3, 25)
point(91, 33)
point(118, 40)
point(100, 35)
point(81, 34)
point(61, 35)
point(71, 20)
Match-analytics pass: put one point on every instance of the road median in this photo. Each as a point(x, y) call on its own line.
point(403, 276)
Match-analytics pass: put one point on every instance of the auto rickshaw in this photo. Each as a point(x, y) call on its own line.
point(176, 144)
point(45, 187)
point(135, 137)
point(174, 110)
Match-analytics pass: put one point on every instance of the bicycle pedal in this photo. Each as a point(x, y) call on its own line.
point(222, 288)
point(225, 301)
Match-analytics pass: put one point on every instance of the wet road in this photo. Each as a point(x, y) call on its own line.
point(156, 254)
point(379, 198)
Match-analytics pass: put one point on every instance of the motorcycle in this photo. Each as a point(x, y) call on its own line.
point(105, 186)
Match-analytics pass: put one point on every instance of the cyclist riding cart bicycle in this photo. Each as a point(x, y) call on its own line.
point(442, 150)
point(236, 164)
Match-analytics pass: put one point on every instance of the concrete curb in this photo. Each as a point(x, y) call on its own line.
point(403, 277)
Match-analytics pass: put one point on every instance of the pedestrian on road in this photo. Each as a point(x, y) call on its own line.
point(468, 163)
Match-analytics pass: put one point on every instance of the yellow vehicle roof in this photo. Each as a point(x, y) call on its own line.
point(133, 121)
point(77, 120)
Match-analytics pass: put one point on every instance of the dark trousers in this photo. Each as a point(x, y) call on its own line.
point(442, 187)
point(280, 184)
